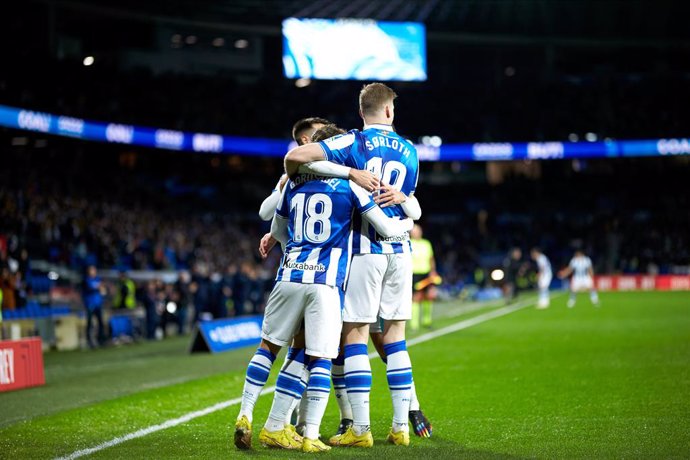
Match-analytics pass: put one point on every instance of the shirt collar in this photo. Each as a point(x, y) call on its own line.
point(379, 126)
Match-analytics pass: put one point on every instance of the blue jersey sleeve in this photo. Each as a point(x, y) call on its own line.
point(410, 183)
point(342, 149)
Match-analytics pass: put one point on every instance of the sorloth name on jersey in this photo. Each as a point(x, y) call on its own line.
point(381, 141)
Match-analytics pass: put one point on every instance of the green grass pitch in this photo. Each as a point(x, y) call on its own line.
point(609, 382)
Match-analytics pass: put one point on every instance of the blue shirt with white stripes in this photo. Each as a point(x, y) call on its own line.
point(319, 212)
point(392, 159)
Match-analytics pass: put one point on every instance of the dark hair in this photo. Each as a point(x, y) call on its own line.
point(326, 132)
point(304, 124)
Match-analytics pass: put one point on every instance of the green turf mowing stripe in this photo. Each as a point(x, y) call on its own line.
point(222, 405)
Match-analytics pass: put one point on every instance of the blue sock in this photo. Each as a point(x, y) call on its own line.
point(289, 387)
point(257, 373)
point(358, 382)
point(293, 368)
point(318, 389)
point(399, 374)
point(340, 389)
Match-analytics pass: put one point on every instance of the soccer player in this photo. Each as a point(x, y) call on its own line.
point(424, 277)
point(544, 276)
point(580, 267)
point(420, 424)
point(303, 132)
point(308, 283)
point(381, 275)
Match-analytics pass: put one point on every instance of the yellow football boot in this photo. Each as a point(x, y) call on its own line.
point(243, 433)
point(350, 439)
point(314, 445)
point(293, 432)
point(281, 439)
point(399, 438)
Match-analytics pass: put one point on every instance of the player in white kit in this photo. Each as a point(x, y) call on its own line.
point(582, 271)
point(544, 276)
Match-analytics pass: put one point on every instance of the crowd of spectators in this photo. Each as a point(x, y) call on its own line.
point(118, 219)
point(630, 216)
point(124, 225)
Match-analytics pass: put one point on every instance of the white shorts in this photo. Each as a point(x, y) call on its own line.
point(317, 304)
point(379, 285)
point(544, 281)
point(581, 283)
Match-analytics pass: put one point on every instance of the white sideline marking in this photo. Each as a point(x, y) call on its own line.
point(222, 405)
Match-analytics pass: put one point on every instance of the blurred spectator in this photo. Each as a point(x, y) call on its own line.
point(93, 301)
point(511, 268)
point(8, 286)
point(125, 296)
point(149, 298)
point(184, 300)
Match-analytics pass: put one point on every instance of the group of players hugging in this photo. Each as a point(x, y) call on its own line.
point(342, 213)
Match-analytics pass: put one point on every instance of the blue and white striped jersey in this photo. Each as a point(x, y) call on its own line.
point(581, 266)
point(544, 265)
point(393, 159)
point(320, 212)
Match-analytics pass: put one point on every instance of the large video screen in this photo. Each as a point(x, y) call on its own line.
point(354, 49)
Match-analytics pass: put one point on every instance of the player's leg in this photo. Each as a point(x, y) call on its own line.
point(399, 376)
point(427, 306)
point(101, 330)
point(376, 336)
point(280, 323)
point(593, 295)
point(89, 328)
point(415, 319)
point(395, 309)
point(509, 290)
point(340, 390)
point(416, 316)
point(257, 374)
point(289, 387)
point(292, 378)
point(358, 382)
point(361, 304)
point(293, 419)
point(323, 327)
point(543, 284)
point(574, 287)
point(420, 424)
